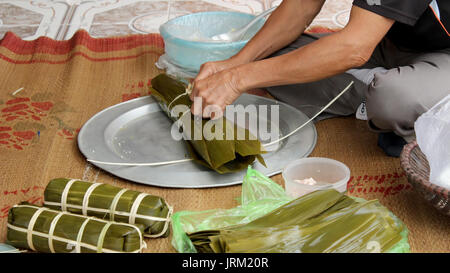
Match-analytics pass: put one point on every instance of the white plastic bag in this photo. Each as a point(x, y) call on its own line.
point(173, 69)
point(433, 136)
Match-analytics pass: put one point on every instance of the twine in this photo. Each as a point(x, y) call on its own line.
point(65, 193)
point(52, 230)
point(112, 210)
point(265, 145)
point(135, 207)
point(311, 119)
point(30, 227)
point(187, 92)
point(80, 235)
point(78, 242)
point(101, 237)
point(86, 197)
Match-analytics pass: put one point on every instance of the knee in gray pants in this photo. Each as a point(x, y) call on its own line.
point(392, 105)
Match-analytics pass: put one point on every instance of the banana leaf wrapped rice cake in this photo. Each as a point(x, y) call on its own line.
point(44, 230)
point(111, 203)
point(221, 155)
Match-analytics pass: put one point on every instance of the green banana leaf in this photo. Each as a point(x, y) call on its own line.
point(322, 221)
point(96, 236)
point(221, 155)
point(153, 212)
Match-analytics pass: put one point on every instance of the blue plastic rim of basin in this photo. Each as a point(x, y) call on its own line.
point(4, 248)
point(184, 51)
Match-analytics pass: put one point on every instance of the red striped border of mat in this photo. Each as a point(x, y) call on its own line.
point(45, 45)
point(49, 46)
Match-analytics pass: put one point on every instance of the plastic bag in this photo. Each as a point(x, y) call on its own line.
point(188, 43)
point(164, 63)
point(433, 136)
point(260, 195)
point(260, 198)
point(320, 222)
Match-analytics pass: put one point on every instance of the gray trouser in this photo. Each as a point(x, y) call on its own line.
point(397, 86)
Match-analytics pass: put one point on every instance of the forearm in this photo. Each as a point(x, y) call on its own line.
point(326, 57)
point(285, 24)
point(331, 55)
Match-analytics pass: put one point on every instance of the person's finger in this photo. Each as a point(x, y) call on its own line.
point(208, 102)
point(194, 91)
point(217, 113)
point(206, 112)
point(214, 103)
point(212, 111)
point(197, 106)
point(204, 73)
point(221, 105)
point(206, 70)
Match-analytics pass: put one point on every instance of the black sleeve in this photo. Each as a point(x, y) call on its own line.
point(403, 11)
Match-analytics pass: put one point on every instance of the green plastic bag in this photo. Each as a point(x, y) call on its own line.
point(260, 195)
point(261, 200)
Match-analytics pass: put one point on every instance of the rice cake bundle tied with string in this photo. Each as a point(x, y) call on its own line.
point(111, 203)
point(221, 154)
point(44, 230)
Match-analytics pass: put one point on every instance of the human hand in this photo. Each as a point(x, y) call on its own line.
point(213, 93)
point(209, 68)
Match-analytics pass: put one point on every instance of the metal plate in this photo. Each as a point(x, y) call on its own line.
point(138, 131)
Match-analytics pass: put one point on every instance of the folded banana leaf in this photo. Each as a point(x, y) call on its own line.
point(221, 155)
point(323, 221)
point(111, 203)
point(44, 230)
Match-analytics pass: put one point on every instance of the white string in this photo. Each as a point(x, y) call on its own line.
point(187, 92)
point(120, 213)
point(126, 214)
point(132, 215)
point(52, 230)
point(17, 91)
point(141, 164)
point(166, 225)
point(68, 241)
point(112, 209)
point(87, 195)
point(31, 226)
point(179, 124)
point(264, 145)
point(101, 237)
point(311, 119)
point(80, 235)
point(177, 97)
point(135, 207)
point(65, 193)
point(147, 164)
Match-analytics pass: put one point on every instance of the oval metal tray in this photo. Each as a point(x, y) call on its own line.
point(138, 131)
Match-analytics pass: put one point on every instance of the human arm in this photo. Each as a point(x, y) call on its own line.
point(331, 55)
point(286, 23)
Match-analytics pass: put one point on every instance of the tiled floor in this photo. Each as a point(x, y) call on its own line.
point(60, 19)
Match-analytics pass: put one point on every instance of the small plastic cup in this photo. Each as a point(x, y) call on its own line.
point(328, 173)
